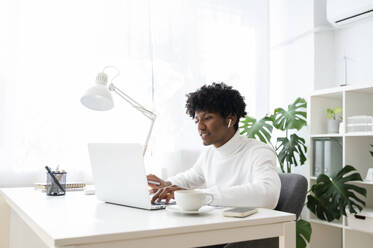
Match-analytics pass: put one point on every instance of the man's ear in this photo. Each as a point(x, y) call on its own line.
point(231, 120)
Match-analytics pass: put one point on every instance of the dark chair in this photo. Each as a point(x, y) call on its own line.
point(292, 196)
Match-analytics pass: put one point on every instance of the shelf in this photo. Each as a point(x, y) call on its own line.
point(357, 182)
point(351, 134)
point(366, 89)
point(322, 222)
point(358, 230)
point(330, 93)
point(354, 101)
point(328, 135)
point(357, 134)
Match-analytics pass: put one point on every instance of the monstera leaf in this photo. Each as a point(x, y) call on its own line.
point(330, 197)
point(294, 118)
point(304, 231)
point(288, 149)
point(261, 129)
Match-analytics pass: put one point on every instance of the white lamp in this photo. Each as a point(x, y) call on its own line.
point(99, 98)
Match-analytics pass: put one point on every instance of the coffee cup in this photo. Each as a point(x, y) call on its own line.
point(369, 176)
point(192, 200)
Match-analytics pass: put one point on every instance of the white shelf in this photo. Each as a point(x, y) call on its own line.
point(357, 134)
point(358, 230)
point(330, 93)
point(317, 221)
point(354, 100)
point(363, 88)
point(332, 135)
point(328, 135)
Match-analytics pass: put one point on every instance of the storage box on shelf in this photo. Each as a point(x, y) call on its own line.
point(327, 156)
point(354, 139)
point(360, 123)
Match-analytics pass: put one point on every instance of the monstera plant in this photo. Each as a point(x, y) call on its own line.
point(328, 198)
point(290, 148)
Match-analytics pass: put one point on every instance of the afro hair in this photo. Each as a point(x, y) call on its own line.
point(216, 98)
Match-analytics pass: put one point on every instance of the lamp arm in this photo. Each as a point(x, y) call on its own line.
point(133, 103)
point(149, 114)
point(148, 136)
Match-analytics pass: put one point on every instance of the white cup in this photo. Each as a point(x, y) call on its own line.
point(369, 176)
point(192, 200)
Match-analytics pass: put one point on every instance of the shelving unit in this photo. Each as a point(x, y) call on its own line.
point(354, 100)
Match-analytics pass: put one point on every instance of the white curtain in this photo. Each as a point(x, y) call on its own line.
point(51, 51)
point(196, 43)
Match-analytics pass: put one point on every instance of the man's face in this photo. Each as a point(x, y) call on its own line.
point(212, 128)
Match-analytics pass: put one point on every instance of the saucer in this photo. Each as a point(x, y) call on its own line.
point(177, 209)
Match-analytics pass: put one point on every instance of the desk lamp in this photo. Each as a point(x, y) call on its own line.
point(99, 98)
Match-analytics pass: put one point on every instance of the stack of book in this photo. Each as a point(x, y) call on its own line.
point(69, 186)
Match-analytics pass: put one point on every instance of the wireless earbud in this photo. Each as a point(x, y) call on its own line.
point(229, 123)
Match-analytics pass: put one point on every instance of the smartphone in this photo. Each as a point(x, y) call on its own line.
point(239, 212)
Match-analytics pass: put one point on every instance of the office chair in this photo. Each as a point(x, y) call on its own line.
point(292, 196)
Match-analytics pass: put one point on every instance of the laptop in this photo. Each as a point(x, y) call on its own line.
point(119, 175)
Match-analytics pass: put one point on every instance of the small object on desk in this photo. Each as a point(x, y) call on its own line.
point(239, 212)
point(56, 182)
point(70, 186)
point(89, 190)
point(154, 182)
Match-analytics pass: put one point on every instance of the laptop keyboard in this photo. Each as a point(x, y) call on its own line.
point(163, 203)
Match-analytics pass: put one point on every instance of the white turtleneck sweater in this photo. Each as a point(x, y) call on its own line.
point(242, 172)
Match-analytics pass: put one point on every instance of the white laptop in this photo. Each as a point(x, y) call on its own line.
point(119, 174)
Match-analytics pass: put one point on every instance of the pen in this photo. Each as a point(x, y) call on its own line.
point(54, 178)
point(154, 182)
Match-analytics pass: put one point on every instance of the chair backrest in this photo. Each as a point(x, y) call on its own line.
point(293, 193)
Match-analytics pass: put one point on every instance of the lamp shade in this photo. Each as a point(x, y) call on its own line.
point(98, 98)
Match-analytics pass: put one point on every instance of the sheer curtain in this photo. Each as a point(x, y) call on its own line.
point(51, 51)
point(196, 43)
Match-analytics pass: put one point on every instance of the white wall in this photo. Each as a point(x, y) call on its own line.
point(292, 55)
point(306, 55)
point(355, 41)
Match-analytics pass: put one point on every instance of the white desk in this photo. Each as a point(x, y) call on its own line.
point(78, 220)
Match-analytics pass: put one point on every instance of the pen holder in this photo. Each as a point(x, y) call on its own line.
point(52, 186)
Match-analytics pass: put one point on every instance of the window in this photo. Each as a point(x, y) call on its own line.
point(51, 51)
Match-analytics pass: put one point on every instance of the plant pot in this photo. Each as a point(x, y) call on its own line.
point(333, 126)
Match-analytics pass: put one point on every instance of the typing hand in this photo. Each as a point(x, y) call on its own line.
point(156, 183)
point(166, 193)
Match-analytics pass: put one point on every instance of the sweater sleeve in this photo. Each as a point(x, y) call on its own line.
point(191, 178)
point(262, 191)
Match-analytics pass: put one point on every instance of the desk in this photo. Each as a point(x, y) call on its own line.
point(78, 220)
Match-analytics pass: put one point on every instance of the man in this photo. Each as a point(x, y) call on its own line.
point(237, 170)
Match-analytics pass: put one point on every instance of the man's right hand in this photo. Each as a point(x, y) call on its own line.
point(154, 187)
